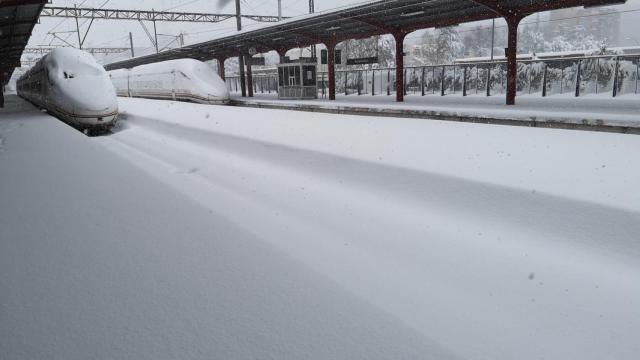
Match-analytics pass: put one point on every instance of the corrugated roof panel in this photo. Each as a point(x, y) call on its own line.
point(17, 19)
point(375, 18)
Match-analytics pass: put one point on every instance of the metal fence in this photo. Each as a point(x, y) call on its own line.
point(579, 76)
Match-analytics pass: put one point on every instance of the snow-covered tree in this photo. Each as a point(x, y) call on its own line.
point(381, 46)
point(442, 45)
point(530, 40)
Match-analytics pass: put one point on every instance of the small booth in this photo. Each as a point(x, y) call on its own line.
point(297, 80)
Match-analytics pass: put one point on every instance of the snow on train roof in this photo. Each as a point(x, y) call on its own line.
point(195, 69)
point(181, 64)
point(70, 57)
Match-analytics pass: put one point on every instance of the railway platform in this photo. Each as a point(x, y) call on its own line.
point(593, 113)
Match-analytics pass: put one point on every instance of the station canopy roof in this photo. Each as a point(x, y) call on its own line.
point(17, 19)
point(361, 21)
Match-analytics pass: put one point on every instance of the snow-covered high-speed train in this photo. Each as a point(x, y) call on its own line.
point(182, 79)
point(70, 84)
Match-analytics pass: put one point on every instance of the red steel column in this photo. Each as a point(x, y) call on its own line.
point(399, 37)
point(512, 60)
point(249, 75)
point(331, 64)
point(243, 78)
point(282, 52)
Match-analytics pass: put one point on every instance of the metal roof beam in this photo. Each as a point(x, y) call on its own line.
point(103, 50)
point(555, 5)
point(502, 8)
point(144, 15)
point(20, 18)
point(9, 3)
point(496, 6)
point(14, 23)
point(376, 24)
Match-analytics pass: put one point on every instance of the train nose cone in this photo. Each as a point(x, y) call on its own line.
point(94, 105)
point(92, 98)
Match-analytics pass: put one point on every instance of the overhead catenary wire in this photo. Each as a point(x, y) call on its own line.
point(181, 5)
point(245, 26)
point(63, 20)
point(86, 20)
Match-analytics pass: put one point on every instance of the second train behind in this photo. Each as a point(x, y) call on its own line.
point(182, 79)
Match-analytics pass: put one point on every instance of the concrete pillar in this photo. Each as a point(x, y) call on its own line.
point(399, 37)
point(249, 75)
point(243, 80)
point(221, 61)
point(512, 60)
point(331, 64)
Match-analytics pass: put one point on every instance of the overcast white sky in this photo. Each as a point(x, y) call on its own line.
point(115, 33)
point(103, 31)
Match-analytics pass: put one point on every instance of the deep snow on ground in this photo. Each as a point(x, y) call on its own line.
point(201, 231)
point(99, 260)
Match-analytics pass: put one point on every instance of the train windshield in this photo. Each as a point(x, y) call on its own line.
point(72, 70)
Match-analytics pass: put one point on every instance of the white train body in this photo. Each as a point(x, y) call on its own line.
point(182, 79)
point(70, 84)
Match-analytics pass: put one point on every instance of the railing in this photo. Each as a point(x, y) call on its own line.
point(606, 74)
point(298, 92)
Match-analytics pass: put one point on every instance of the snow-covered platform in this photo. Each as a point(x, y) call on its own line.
point(202, 232)
point(595, 113)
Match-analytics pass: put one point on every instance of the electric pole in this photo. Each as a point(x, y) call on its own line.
point(243, 85)
point(155, 30)
point(78, 27)
point(312, 9)
point(279, 10)
point(131, 43)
